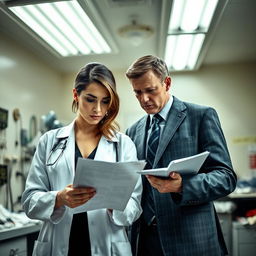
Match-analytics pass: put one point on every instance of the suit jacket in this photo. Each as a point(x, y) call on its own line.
point(187, 222)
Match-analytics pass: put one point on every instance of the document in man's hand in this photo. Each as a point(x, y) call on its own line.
point(114, 182)
point(186, 165)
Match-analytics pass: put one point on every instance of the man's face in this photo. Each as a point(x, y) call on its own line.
point(151, 92)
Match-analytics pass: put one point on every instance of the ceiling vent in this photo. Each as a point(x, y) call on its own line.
point(123, 3)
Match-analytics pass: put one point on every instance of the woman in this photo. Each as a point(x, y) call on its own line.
point(49, 194)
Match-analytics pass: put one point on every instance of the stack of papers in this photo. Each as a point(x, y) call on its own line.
point(187, 165)
point(114, 182)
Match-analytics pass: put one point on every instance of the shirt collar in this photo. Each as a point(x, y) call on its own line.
point(165, 110)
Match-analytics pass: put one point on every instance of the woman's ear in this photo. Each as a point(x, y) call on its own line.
point(75, 94)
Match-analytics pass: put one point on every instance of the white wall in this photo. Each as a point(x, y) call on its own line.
point(33, 87)
point(230, 89)
point(30, 85)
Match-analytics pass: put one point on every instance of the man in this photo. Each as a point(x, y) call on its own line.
point(178, 213)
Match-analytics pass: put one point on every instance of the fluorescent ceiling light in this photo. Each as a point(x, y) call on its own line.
point(208, 13)
point(188, 26)
point(192, 14)
point(6, 62)
point(182, 51)
point(64, 26)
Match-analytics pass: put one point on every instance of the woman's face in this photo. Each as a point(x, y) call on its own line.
point(93, 103)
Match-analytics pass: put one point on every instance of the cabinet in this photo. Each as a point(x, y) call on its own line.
point(240, 240)
point(18, 241)
point(244, 240)
point(13, 247)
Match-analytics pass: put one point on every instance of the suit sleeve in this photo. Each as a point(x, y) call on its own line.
point(216, 178)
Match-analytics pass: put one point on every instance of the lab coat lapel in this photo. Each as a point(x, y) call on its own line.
point(69, 152)
point(175, 117)
point(106, 149)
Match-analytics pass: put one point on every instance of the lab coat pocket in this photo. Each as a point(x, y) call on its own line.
point(42, 248)
point(121, 249)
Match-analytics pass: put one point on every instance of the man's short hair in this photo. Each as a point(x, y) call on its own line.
point(146, 63)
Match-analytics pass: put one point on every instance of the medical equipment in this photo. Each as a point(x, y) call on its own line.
point(49, 122)
point(3, 174)
point(59, 145)
point(3, 118)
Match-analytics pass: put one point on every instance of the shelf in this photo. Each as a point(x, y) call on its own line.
point(245, 195)
point(19, 231)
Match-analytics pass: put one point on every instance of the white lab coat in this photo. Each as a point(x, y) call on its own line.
point(107, 232)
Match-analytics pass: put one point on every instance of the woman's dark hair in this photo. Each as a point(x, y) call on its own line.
point(100, 74)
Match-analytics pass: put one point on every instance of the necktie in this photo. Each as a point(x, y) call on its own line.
point(147, 197)
point(153, 140)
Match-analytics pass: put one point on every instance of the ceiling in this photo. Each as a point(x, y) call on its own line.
point(231, 40)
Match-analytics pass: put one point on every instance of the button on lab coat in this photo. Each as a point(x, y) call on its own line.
point(107, 232)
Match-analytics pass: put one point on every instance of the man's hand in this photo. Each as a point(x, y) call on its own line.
point(73, 197)
point(172, 184)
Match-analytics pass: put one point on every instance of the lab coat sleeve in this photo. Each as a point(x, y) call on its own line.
point(133, 209)
point(38, 199)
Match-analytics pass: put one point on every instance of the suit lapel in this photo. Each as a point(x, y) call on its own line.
point(141, 136)
point(176, 116)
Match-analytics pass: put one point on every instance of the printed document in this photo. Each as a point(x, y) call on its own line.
point(186, 165)
point(114, 182)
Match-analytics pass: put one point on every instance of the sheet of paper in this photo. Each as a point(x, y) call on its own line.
point(187, 165)
point(114, 182)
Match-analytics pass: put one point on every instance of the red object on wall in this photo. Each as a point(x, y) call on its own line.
point(252, 161)
point(250, 213)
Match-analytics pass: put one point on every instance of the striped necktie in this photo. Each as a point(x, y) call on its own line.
point(153, 140)
point(147, 197)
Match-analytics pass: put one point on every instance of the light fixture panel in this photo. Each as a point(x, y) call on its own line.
point(64, 26)
point(182, 51)
point(188, 26)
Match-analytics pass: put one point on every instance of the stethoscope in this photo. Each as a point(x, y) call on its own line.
point(62, 148)
point(56, 146)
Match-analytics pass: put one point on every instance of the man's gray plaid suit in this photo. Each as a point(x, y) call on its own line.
point(187, 223)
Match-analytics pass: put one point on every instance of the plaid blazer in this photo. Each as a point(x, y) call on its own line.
point(188, 224)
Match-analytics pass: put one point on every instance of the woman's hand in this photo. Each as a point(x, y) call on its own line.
point(73, 197)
